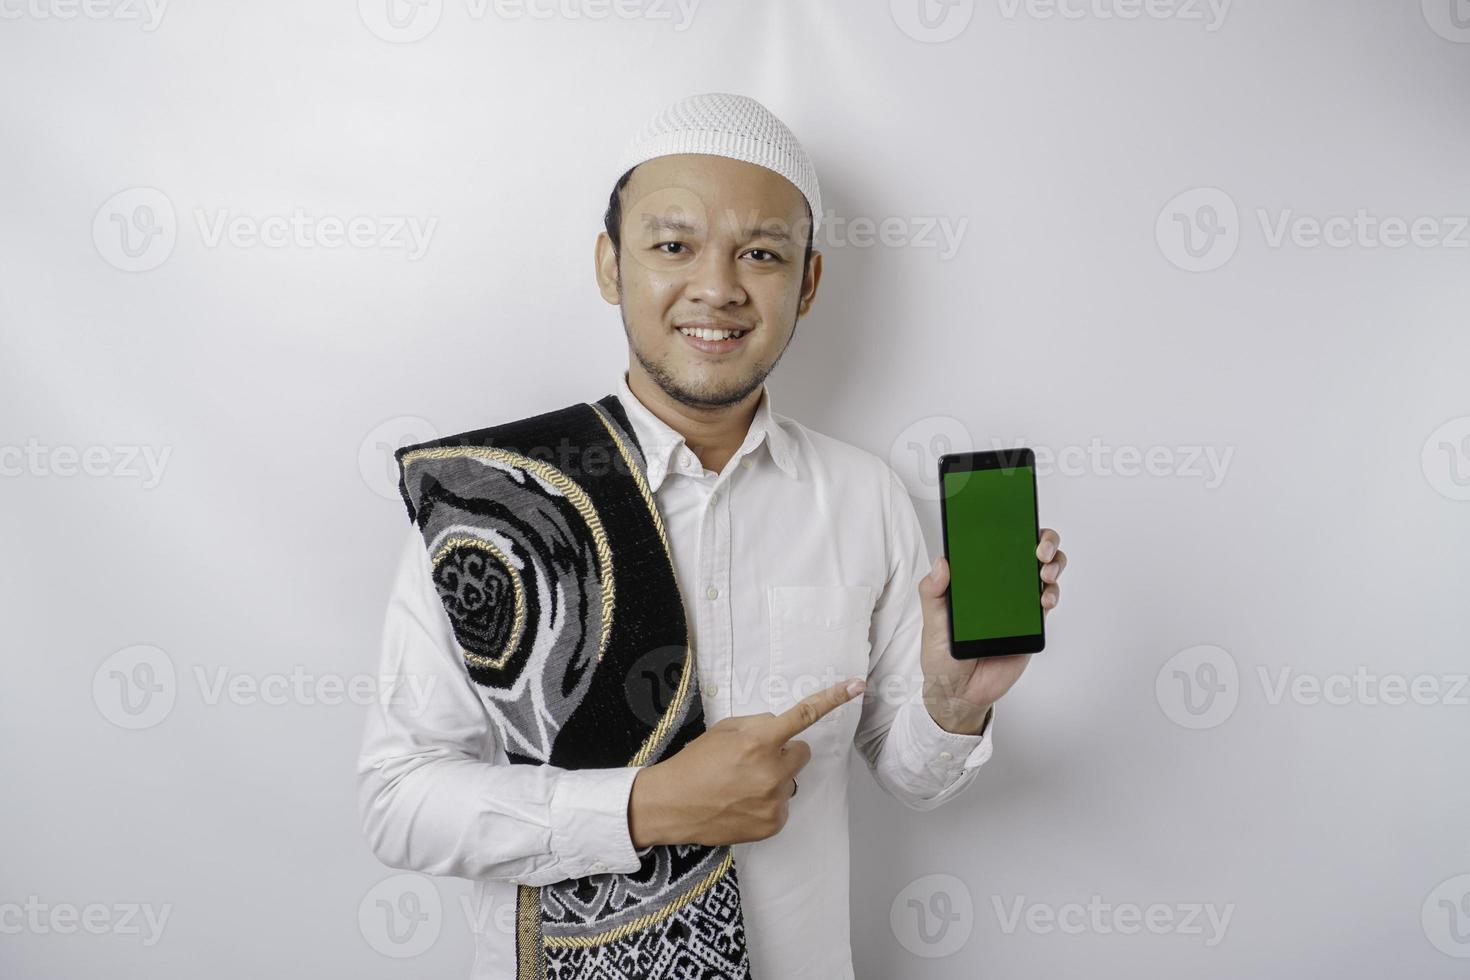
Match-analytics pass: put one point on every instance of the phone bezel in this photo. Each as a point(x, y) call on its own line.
point(998, 646)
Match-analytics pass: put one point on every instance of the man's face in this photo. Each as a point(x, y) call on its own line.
point(713, 243)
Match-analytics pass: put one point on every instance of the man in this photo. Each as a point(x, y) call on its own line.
point(801, 567)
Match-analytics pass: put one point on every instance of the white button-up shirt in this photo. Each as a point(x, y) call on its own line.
point(799, 566)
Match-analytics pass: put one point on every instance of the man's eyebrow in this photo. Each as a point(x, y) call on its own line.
point(660, 222)
point(776, 231)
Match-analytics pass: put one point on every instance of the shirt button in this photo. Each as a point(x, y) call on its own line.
point(598, 866)
point(745, 462)
point(712, 592)
point(713, 689)
point(945, 755)
point(714, 497)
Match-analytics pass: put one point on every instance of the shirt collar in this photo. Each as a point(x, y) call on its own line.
point(660, 441)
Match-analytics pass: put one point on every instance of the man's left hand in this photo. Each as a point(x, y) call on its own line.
point(959, 693)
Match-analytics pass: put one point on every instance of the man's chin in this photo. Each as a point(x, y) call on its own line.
point(707, 393)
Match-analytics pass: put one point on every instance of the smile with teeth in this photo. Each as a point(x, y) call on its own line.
point(703, 334)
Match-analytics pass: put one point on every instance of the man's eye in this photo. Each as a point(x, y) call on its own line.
point(671, 245)
point(764, 251)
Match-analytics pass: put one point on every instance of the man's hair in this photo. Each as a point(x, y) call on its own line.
point(612, 220)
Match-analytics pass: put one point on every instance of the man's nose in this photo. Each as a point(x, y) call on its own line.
point(715, 279)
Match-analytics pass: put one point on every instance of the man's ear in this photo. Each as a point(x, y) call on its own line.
point(605, 261)
point(809, 290)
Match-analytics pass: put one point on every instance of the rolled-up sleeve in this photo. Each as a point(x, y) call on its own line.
point(911, 757)
point(436, 793)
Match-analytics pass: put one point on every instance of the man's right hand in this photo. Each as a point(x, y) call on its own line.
point(734, 781)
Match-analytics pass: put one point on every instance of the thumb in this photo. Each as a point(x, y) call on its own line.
point(933, 605)
point(932, 586)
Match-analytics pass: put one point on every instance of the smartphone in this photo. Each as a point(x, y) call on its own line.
point(990, 527)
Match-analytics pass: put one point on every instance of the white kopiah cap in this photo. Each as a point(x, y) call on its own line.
point(727, 125)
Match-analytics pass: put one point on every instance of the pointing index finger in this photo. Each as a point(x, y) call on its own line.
point(809, 710)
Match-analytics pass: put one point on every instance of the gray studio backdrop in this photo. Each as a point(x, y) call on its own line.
point(1210, 260)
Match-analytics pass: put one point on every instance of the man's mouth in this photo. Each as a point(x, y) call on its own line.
point(713, 341)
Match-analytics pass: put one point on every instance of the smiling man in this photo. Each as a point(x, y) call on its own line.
point(633, 662)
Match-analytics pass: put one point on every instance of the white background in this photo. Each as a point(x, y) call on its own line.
point(1067, 317)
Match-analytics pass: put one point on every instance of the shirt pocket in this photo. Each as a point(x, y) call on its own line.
point(819, 636)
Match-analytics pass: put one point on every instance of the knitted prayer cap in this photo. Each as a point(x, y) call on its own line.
point(727, 125)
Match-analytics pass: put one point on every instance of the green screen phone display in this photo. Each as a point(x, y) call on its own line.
point(990, 526)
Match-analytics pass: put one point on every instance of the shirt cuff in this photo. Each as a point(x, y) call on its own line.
point(946, 752)
point(589, 821)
